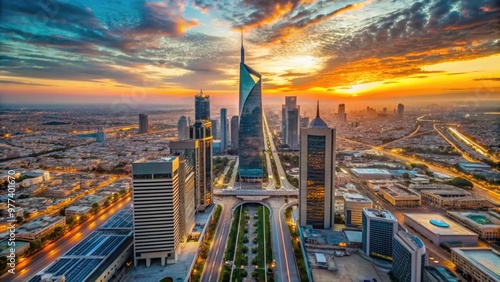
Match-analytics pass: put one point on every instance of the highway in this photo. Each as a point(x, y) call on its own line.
point(286, 269)
point(34, 264)
point(464, 154)
point(215, 258)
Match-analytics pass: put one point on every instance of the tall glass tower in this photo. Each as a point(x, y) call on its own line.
point(251, 140)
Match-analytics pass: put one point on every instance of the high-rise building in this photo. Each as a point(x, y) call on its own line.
point(341, 113)
point(156, 210)
point(290, 113)
point(234, 132)
point(401, 109)
point(251, 136)
point(215, 131)
point(143, 123)
point(223, 129)
point(201, 106)
point(202, 131)
point(353, 208)
point(317, 175)
point(304, 122)
point(379, 227)
point(408, 257)
point(186, 196)
point(182, 128)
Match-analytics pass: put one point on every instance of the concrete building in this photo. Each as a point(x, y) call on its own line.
point(438, 274)
point(398, 196)
point(477, 264)
point(439, 229)
point(76, 210)
point(371, 173)
point(379, 227)
point(290, 114)
point(342, 117)
point(223, 129)
point(353, 208)
point(39, 227)
point(186, 196)
point(400, 111)
point(234, 132)
point(182, 128)
point(317, 175)
point(143, 123)
point(454, 199)
point(408, 257)
point(202, 131)
point(486, 224)
point(156, 210)
point(471, 167)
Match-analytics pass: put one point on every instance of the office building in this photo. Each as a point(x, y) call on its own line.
point(156, 210)
point(216, 147)
point(290, 114)
point(317, 175)
point(353, 208)
point(186, 195)
point(401, 109)
point(182, 128)
point(438, 274)
point(477, 264)
point(439, 229)
point(454, 199)
point(195, 153)
point(143, 123)
point(484, 223)
point(201, 106)
point(202, 131)
point(251, 139)
point(379, 227)
point(342, 117)
point(408, 257)
point(234, 132)
point(223, 129)
point(215, 128)
point(304, 122)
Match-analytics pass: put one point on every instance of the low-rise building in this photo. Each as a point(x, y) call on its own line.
point(371, 173)
point(477, 264)
point(39, 227)
point(76, 210)
point(353, 208)
point(483, 223)
point(455, 199)
point(399, 196)
point(438, 274)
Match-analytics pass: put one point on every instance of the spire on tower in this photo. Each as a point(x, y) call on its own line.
point(317, 110)
point(242, 48)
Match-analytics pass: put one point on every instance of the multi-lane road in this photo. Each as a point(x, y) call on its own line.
point(32, 265)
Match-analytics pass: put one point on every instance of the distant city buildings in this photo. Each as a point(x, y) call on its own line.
point(143, 123)
point(317, 175)
point(290, 115)
point(251, 138)
point(408, 257)
point(401, 109)
point(182, 128)
point(342, 116)
point(379, 227)
point(223, 129)
point(156, 210)
point(304, 122)
point(234, 132)
point(100, 136)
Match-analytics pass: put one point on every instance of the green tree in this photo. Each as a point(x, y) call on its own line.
point(461, 183)
point(406, 175)
point(95, 208)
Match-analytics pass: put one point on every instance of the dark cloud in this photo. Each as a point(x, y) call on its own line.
point(487, 79)
point(22, 83)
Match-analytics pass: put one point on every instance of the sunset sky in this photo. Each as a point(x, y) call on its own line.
point(87, 51)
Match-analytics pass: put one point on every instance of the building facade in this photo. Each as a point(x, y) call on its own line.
point(342, 117)
point(182, 128)
point(143, 123)
point(409, 257)
point(223, 129)
point(477, 264)
point(234, 132)
point(201, 106)
point(251, 136)
point(379, 227)
point(400, 111)
point(317, 175)
point(290, 115)
point(353, 208)
point(156, 210)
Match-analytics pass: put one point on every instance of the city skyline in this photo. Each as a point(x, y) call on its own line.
point(373, 50)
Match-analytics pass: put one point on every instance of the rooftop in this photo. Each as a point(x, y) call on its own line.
point(440, 225)
point(384, 214)
point(485, 259)
point(356, 198)
point(370, 171)
point(478, 218)
point(442, 274)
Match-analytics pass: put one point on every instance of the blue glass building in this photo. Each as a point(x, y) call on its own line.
point(408, 257)
point(251, 139)
point(201, 107)
point(379, 227)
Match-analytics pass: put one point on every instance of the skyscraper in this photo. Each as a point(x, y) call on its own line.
point(408, 253)
point(202, 131)
point(379, 227)
point(201, 106)
point(251, 139)
point(182, 128)
point(215, 131)
point(234, 132)
point(143, 123)
point(317, 175)
point(401, 109)
point(186, 196)
point(223, 129)
point(341, 113)
point(156, 210)
point(290, 113)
